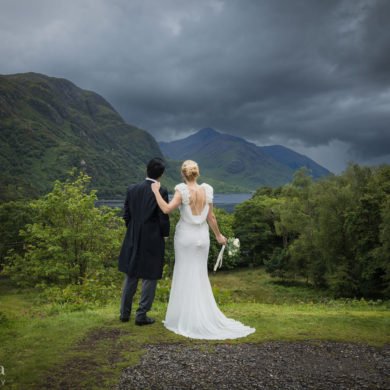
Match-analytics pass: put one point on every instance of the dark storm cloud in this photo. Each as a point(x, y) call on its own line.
point(312, 74)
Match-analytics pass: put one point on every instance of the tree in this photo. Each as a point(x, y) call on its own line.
point(296, 225)
point(382, 253)
point(338, 223)
point(254, 225)
point(14, 216)
point(69, 239)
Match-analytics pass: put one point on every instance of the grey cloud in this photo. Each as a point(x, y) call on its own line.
point(307, 72)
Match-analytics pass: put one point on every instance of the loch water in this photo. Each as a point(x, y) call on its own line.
point(223, 201)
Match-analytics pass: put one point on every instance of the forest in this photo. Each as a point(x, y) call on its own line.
point(332, 234)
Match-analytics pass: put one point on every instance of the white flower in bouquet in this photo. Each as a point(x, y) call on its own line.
point(233, 246)
point(233, 249)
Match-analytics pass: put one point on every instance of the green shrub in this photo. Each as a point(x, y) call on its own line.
point(69, 241)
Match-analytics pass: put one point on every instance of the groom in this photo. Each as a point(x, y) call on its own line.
point(142, 252)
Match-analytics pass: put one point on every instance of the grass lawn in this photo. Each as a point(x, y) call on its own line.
point(91, 347)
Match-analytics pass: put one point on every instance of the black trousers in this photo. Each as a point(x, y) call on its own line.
point(147, 296)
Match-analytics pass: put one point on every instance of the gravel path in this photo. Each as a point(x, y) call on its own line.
point(271, 365)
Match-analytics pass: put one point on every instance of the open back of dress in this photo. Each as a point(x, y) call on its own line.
point(192, 310)
point(197, 199)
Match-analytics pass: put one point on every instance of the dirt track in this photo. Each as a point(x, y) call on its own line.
point(271, 365)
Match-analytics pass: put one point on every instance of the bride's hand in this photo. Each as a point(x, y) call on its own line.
point(156, 187)
point(221, 239)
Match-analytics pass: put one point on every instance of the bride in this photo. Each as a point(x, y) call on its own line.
point(192, 310)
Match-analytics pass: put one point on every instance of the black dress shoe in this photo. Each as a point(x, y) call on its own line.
point(126, 319)
point(145, 321)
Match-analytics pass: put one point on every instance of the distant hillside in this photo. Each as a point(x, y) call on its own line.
point(48, 125)
point(237, 161)
point(294, 160)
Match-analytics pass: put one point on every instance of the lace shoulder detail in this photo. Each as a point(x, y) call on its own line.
point(209, 192)
point(185, 194)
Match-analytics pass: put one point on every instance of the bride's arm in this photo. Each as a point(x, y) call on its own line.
point(212, 220)
point(165, 207)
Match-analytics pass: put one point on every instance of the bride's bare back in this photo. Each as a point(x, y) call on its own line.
point(197, 199)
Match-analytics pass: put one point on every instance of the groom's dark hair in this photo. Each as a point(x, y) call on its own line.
point(155, 168)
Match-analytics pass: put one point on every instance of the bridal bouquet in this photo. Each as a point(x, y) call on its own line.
point(233, 249)
point(233, 246)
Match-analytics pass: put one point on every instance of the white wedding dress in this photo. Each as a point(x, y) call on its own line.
point(192, 310)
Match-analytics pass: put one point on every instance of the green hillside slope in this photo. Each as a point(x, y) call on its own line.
point(295, 160)
point(236, 161)
point(230, 159)
point(48, 125)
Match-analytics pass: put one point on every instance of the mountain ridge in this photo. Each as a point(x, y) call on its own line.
point(234, 159)
point(49, 125)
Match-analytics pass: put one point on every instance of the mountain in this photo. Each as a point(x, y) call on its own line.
point(48, 125)
point(236, 161)
point(295, 160)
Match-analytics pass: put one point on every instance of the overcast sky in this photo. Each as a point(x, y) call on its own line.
point(313, 75)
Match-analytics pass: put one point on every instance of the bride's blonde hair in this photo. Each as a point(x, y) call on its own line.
point(190, 170)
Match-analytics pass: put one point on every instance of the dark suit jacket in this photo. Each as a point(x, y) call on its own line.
point(142, 252)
